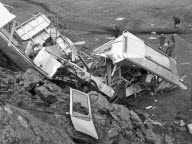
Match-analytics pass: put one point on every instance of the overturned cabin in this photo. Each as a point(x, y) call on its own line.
point(155, 68)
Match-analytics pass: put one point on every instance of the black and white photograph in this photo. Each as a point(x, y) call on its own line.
point(95, 71)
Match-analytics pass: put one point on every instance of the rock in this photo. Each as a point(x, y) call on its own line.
point(21, 83)
point(112, 136)
point(31, 78)
point(48, 105)
point(18, 126)
point(5, 80)
point(5, 73)
point(137, 141)
point(140, 135)
point(100, 108)
point(98, 102)
point(113, 132)
point(182, 123)
point(22, 100)
point(18, 77)
point(100, 120)
point(183, 128)
point(168, 140)
point(189, 126)
point(135, 118)
point(152, 137)
point(154, 122)
point(51, 93)
point(122, 115)
point(7, 77)
point(142, 115)
point(146, 115)
point(47, 96)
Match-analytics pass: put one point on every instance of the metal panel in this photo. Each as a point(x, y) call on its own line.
point(41, 38)
point(39, 29)
point(157, 57)
point(63, 45)
point(33, 26)
point(135, 47)
point(46, 62)
point(156, 69)
point(5, 16)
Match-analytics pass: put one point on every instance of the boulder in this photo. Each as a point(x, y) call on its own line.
point(122, 116)
point(98, 102)
point(135, 118)
point(168, 140)
point(18, 126)
point(151, 137)
point(51, 93)
point(31, 78)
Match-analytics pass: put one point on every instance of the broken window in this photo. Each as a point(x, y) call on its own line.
point(80, 112)
point(80, 105)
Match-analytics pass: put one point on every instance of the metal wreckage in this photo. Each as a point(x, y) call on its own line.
point(120, 68)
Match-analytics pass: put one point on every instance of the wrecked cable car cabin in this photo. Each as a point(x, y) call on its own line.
point(37, 44)
point(138, 65)
point(27, 43)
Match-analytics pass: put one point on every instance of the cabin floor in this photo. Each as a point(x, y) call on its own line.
point(92, 21)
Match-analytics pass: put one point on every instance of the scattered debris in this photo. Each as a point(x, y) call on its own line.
point(110, 38)
point(119, 19)
point(148, 107)
point(154, 122)
point(185, 63)
point(156, 100)
point(182, 78)
point(80, 43)
point(152, 38)
point(188, 26)
point(182, 123)
point(190, 128)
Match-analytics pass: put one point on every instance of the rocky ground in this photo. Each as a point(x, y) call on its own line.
point(29, 114)
point(34, 110)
